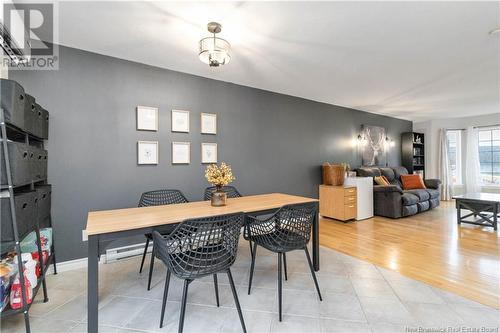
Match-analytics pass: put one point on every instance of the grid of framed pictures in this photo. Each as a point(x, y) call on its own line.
point(148, 151)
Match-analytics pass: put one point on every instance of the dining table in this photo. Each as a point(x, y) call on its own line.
point(107, 225)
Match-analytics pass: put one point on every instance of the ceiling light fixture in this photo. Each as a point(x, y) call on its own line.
point(214, 51)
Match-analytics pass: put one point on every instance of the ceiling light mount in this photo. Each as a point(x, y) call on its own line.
point(214, 51)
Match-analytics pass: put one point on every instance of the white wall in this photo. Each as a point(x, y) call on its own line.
point(431, 130)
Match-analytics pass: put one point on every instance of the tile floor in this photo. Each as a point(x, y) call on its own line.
point(357, 297)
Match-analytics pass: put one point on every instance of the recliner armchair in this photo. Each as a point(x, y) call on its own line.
point(392, 201)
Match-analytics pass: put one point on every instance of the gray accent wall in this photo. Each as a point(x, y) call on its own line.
point(274, 142)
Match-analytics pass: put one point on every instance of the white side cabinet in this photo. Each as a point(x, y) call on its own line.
point(364, 187)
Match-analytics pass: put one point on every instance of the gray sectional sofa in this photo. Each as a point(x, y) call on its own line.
point(392, 201)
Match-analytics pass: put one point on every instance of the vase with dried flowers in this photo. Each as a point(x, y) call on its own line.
point(219, 176)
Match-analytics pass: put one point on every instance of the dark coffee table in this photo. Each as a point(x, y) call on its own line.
point(484, 207)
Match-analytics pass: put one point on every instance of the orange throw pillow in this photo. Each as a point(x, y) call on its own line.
point(412, 182)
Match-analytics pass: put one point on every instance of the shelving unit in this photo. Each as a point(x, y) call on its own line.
point(10, 133)
point(413, 152)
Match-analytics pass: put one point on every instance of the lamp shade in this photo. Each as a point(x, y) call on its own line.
point(214, 51)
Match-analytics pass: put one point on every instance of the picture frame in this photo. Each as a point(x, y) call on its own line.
point(208, 123)
point(208, 153)
point(147, 152)
point(180, 121)
point(181, 152)
point(147, 118)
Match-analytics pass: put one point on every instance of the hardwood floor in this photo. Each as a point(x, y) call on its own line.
point(429, 247)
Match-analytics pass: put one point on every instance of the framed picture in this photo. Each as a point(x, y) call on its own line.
point(181, 152)
point(208, 123)
point(208, 153)
point(147, 152)
point(147, 118)
point(180, 121)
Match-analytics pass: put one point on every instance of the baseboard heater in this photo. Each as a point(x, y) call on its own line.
point(124, 252)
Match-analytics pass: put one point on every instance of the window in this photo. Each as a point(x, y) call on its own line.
point(455, 155)
point(489, 155)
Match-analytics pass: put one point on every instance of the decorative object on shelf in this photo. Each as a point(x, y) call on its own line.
point(208, 123)
point(147, 152)
point(347, 168)
point(214, 51)
point(180, 121)
point(333, 174)
point(219, 176)
point(373, 145)
point(181, 152)
point(413, 152)
point(147, 118)
point(209, 153)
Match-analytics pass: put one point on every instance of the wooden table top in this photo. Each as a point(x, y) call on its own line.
point(108, 221)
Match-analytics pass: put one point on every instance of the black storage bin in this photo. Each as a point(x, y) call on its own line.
point(44, 193)
point(45, 125)
point(38, 121)
point(38, 161)
point(29, 113)
point(44, 223)
point(25, 206)
point(12, 101)
point(20, 164)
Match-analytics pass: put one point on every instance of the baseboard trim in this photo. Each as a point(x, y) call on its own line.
point(75, 264)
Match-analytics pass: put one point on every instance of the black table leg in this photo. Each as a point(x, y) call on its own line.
point(495, 217)
point(459, 217)
point(315, 239)
point(93, 284)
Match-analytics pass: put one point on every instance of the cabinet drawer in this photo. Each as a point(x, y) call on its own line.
point(350, 191)
point(350, 200)
point(350, 211)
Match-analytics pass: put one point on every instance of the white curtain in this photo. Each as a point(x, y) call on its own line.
point(472, 167)
point(444, 166)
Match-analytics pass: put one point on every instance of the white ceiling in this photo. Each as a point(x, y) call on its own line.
point(412, 60)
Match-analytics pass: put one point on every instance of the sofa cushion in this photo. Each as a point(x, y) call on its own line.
point(368, 172)
point(389, 174)
point(410, 210)
point(423, 206)
point(433, 193)
point(398, 171)
point(421, 194)
point(409, 199)
point(434, 202)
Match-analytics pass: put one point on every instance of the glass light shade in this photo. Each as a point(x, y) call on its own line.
point(214, 51)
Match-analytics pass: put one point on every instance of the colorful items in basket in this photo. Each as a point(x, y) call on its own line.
point(16, 301)
point(29, 243)
point(7, 272)
point(30, 281)
point(45, 256)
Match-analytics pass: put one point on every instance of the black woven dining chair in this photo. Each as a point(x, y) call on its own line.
point(286, 230)
point(158, 198)
point(231, 192)
point(198, 248)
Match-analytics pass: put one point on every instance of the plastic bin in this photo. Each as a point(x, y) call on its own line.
point(20, 165)
point(12, 101)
